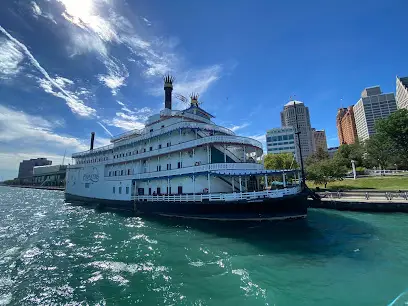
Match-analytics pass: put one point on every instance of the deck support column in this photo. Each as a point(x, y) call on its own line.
point(208, 154)
point(232, 183)
point(244, 155)
point(266, 181)
point(225, 154)
point(209, 182)
point(246, 184)
point(193, 184)
point(168, 186)
point(284, 179)
point(240, 184)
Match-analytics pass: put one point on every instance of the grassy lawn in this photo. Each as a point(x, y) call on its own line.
point(376, 182)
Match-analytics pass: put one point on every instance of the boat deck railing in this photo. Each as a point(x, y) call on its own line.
point(224, 197)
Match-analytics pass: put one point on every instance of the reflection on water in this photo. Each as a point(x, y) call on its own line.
point(55, 253)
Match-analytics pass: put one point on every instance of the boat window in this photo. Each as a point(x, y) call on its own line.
point(151, 148)
point(179, 165)
point(151, 130)
point(113, 190)
point(121, 172)
point(127, 190)
point(158, 190)
point(169, 144)
point(110, 173)
point(180, 189)
point(120, 190)
point(128, 171)
point(150, 191)
point(162, 126)
point(86, 185)
point(159, 146)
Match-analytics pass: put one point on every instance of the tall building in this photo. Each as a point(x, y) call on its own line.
point(288, 118)
point(281, 140)
point(372, 106)
point(319, 139)
point(346, 125)
point(402, 92)
point(26, 166)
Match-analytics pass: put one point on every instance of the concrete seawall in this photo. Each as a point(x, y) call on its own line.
point(363, 201)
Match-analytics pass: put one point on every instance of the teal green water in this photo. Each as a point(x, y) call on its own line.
point(53, 253)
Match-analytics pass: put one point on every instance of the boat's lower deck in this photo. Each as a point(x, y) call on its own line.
point(286, 207)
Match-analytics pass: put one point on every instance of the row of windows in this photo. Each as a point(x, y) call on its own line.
point(280, 138)
point(141, 191)
point(128, 171)
point(120, 190)
point(130, 153)
point(281, 143)
point(283, 149)
point(92, 160)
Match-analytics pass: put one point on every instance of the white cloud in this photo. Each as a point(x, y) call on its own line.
point(34, 130)
point(156, 55)
point(147, 21)
point(130, 121)
point(71, 98)
point(24, 136)
point(239, 127)
point(38, 12)
point(36, 9)
point(76, 105)
point(10, 59)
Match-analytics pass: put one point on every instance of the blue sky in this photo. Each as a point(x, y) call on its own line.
point(69, 67)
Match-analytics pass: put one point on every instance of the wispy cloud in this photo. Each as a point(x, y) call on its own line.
point(33, 130)
point(239, 127)
point(10, 59)
point(126, 121)
point(39, 13)
point(77, 106)
point(155, 55)
point(148, 23)
point(25, 136)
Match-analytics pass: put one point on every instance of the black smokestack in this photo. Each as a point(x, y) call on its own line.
point(92, 140)
point(168, 88)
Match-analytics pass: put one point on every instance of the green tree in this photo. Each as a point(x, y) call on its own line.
point(325, 171)
point(379, 151)
point(317, 156)
point(348, 152)
point(395, 129)
point(280, 161)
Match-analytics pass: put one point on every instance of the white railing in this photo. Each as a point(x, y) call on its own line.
point(146, 134)
point(187, 170)
point(225, 197)
point(183, 113)
point(191, 144)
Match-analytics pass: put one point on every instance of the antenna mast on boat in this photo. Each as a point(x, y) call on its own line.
point(300, 147)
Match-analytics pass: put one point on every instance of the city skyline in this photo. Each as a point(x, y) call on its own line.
point(71, 67)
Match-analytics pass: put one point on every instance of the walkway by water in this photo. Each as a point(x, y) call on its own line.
point(55, 253)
